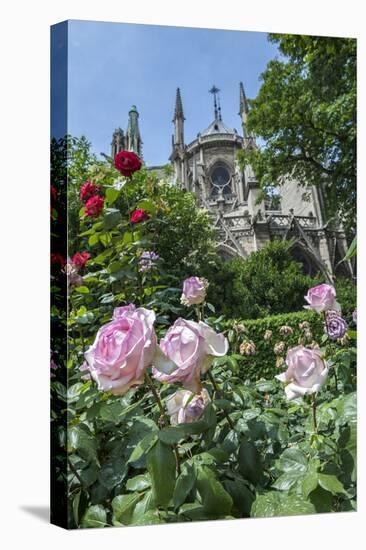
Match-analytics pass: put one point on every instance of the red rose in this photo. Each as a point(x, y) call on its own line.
point(80, 258)
point(94, 206)
point(88, 190)
point(127, 163)
point(53, 192)
point(139, 215)
point(57, 258)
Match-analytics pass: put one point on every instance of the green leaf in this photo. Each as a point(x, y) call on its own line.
point(82, 289)
point(112, 194)
point(93, 239)
point(113, 473)
point(242, 497)
point(143, 447)
point(215, 500)
point(95, 516)
point(111, 218)
point(138, 483)
point(273, 503)
point(123, 506)
point(184, 484)
point(292, 460)
point(331, 484)
point(309, 483)
point(286, 481)
point(161, 467)
point(249, 462)
point(80, 440)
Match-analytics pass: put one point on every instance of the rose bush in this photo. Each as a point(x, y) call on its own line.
point(211, 434)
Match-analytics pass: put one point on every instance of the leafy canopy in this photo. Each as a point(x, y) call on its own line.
point(305, 112)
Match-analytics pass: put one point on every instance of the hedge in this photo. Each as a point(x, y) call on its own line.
point(263, 363)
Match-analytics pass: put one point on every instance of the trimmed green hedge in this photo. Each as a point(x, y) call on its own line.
point(263, 363)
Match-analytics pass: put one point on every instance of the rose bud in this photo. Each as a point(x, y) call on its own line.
point(184, 406)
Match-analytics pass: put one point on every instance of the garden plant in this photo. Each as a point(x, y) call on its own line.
point(164, 410)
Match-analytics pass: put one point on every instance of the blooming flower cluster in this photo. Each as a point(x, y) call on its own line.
point(147, 260)
point(127, 346)
point(90, 196)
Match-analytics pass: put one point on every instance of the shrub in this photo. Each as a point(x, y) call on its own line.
point(268, 282)
point(263, 363)
point(346, 296)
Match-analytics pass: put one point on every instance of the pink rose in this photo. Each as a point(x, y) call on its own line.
point(123, 349)
point(321, 298)
point(192, 347)
point(306, 372)
point(194, 291)
point(184, 406)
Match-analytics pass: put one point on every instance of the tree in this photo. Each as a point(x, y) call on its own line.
point(305, 112)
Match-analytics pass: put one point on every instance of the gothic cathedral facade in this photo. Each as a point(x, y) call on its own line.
point(243, 220)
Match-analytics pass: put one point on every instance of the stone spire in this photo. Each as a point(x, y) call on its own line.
point(243, 109)
point(133, 136)
point(178, 112)
point(118, 142)
point(178, 120)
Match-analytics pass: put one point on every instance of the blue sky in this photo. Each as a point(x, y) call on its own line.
point(113, 66)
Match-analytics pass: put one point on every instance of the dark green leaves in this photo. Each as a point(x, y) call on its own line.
point(215, 500)
point(161, 466)
point(273, 503)
point(95, 516)
point(249, 462)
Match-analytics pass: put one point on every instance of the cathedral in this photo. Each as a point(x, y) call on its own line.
point(243, 219)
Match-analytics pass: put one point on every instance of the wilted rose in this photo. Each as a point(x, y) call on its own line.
point(306, 372)
point(123, 349)
point(279, 348)
point(268, 335)
point(192, 347)
point(194, 291)
point(322, 298)
point(286, 330)
point(247, 348)
point(184, 406)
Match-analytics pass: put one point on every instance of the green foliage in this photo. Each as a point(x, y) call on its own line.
point(263, 363)
point(347, 297)
point(251, 453)
point(305, 112)
point(268, 282)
